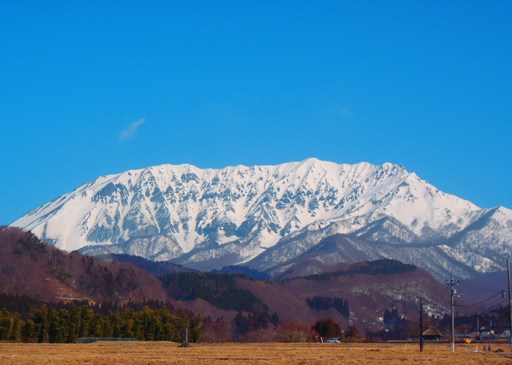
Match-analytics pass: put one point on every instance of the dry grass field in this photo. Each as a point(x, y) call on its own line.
point(146, 353)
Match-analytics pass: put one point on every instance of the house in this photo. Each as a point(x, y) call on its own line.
point(432, 334)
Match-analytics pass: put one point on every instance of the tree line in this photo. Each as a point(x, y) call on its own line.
point(324, 303)
point(66, 325)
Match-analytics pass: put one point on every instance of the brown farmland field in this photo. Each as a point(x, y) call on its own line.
point(122, 353)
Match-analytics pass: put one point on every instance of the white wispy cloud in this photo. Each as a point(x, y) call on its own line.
point(130, 130)
point(346, 111)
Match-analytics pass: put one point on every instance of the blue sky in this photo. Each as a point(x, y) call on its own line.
point(93, 87)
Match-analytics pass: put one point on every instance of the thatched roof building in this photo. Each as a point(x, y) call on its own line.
point(432, 333)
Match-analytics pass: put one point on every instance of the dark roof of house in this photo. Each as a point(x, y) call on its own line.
point(432, 331)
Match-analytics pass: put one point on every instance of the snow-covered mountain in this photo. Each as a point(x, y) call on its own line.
point(266, 216)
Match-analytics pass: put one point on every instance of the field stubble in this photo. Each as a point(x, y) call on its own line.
point(113, 353)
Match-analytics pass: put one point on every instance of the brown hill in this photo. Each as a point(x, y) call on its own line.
point(32, 268)
point(359, 294)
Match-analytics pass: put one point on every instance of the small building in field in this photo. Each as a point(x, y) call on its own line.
point(432, 334)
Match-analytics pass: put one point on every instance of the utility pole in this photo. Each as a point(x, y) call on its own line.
point(421, 325)
point(452, 283)
point(186, 336)
point(509, 302)
point(185, 343)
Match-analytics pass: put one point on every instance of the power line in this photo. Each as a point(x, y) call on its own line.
point(492, 306)
point(501, 292)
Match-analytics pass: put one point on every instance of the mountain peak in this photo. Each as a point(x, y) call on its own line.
point(231, 215)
